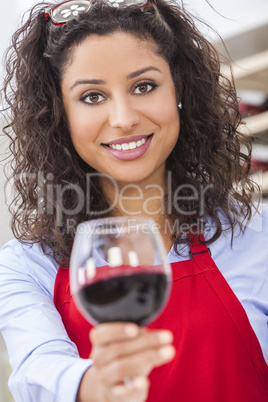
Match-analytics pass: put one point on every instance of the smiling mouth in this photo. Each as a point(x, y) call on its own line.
point(129, 146)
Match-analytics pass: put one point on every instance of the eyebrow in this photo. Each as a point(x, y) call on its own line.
point(83, 82)
point(142, 71)
point(129, 77)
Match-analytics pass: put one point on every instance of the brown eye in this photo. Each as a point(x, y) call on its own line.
point(92, 98)
point(144, 88)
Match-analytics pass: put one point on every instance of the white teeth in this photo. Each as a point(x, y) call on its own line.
point(132, 145)
point(128, 146)
point(125, 147)
point(140, 142)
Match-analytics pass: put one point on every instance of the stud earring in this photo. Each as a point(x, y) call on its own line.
point(180, 105)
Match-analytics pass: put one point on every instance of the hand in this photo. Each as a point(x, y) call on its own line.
point(123, 351)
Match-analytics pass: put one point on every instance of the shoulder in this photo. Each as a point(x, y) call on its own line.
point(246, 254)
point(26, 255)
point(28, 262)
point(253, 235)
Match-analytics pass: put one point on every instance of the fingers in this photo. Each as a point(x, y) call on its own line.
point(138, 364)
point(127, 346)
point(136, 390)
point(124, 350)
point(113, 332)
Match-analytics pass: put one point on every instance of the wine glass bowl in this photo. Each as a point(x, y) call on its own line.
point(119, 271)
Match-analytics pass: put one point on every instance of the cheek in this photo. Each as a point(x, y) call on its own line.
point(84, 130)
point(165, 108)
point(168, 117)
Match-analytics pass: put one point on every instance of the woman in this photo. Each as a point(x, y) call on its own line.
point(123, 111)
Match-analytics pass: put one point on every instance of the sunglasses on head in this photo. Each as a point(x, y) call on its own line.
point(61, 13)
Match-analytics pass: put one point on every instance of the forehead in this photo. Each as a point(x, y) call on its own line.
point(100, 54)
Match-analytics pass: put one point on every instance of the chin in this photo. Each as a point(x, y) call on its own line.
point(129, 179)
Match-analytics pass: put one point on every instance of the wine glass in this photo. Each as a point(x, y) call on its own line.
point(118, 270)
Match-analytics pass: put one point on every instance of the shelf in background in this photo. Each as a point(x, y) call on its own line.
point(256, 125)
point(261, 178)
point(250, 72)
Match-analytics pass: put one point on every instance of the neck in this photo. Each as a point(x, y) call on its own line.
point(140, 199)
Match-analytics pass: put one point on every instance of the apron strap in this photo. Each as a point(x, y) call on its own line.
point(197, 244)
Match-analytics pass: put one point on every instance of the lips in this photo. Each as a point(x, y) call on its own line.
point(129, 148)
point(127, 140)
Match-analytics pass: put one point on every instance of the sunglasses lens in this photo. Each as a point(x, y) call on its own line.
point(68, 10)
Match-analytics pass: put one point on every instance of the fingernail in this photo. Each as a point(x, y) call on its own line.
point(119, 391)
point(139, 383)
point(165, 337)
point(131, 330)
point(167, 352)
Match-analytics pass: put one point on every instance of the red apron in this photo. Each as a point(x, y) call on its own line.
point(218, 359)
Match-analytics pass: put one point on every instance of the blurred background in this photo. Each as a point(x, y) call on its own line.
point(244, 27)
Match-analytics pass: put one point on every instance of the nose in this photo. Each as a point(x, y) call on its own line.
point(123, 115)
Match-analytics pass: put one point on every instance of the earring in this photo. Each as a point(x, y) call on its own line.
point(180, 105)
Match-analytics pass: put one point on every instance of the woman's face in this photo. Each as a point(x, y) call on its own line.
point(121, 107)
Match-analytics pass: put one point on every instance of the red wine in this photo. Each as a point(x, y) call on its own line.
point(135, 298)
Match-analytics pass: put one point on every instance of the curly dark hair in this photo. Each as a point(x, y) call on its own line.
point(210, 149)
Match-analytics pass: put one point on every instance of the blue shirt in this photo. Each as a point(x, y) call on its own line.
point(46, 365)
